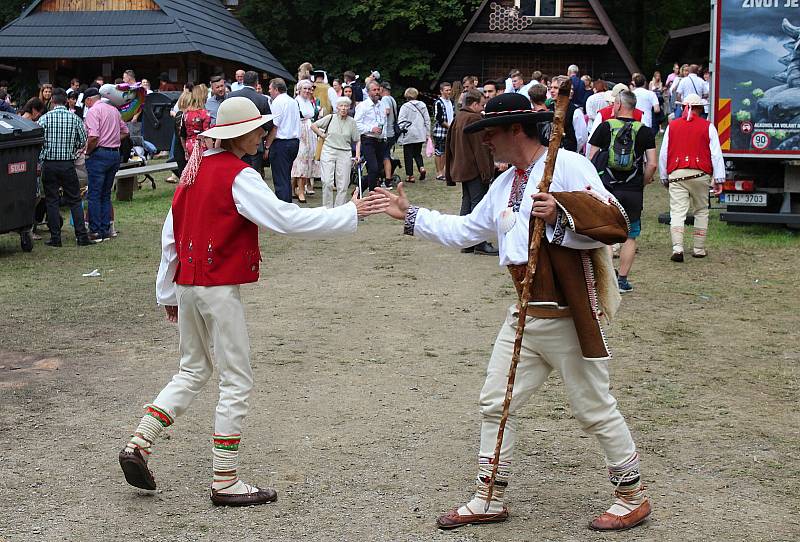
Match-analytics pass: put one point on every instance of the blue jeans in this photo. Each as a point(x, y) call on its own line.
point(101, 165)
point(282, 153)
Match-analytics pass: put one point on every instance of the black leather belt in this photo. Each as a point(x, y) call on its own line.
point(109, 148)
point(688, 178)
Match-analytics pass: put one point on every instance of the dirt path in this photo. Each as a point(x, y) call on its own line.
point(369, 354)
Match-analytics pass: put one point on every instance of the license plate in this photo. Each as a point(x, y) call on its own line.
point(754, 200)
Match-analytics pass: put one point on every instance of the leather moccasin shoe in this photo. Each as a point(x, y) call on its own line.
point(453, 520)
point(262, 496)
point(612, 522)
point(135, 469)
point(676, 257)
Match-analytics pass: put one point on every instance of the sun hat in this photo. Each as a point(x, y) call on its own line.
point(693, 100)
point(236, 116)
point(611, 95)
point(506, 109)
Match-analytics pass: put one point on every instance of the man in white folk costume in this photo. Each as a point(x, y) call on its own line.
point(574, 286)
point(210, 247)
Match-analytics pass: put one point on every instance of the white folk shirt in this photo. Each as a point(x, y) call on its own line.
point(258, 203)
point(285, 116)
point(573, 173)
point(581, 130)
point(717, 162)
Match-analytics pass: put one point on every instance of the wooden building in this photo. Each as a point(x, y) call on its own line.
point(544, 35)
point(190, 40)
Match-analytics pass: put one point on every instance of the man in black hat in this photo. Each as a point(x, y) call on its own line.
point(573, 287)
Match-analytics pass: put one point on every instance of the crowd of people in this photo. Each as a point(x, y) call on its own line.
point(615, 125)
point(325, 128)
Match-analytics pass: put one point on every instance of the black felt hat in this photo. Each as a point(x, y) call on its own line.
point(506, 109)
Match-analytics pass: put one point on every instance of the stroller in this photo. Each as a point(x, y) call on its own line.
point(358, 178)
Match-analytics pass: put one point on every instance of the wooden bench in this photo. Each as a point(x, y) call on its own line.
point(126, 176)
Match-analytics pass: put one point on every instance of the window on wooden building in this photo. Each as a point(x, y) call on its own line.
point(539, 8)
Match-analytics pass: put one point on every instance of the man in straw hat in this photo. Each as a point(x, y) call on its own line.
point(563, 330)
point(690, 157)
point(210, 247)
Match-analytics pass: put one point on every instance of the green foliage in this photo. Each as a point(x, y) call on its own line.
point(404, 39)
point(643, 26)
point(10, 10)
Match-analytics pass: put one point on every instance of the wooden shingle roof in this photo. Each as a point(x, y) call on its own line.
point(181, 26)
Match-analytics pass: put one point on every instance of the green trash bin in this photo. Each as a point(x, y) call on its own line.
point(20, 144)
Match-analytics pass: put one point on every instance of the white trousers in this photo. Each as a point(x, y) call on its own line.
point(209, 316)
point(335, 165)
point(683, 196)
point(550, 344)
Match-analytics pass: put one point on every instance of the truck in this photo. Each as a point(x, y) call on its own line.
point(755, 106)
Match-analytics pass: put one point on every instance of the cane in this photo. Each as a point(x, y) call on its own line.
point(533, 255)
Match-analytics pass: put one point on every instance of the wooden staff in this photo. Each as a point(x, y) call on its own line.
point(559, 115)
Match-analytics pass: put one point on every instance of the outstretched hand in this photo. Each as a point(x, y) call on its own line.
point(371, 205)
point(398, 203)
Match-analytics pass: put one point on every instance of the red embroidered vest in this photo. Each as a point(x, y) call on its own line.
point(215, 244)
point(689, 145)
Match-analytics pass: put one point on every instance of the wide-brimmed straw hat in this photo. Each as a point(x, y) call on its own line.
point(506, 109)
point(611, 95)
point(236, 116)
point(693, 100)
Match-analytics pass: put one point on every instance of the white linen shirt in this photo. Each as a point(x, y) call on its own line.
point(717, 161)
point(645, 101)
point(573, 172)
point(285, 116)
point(369, 115)
point(258, 203)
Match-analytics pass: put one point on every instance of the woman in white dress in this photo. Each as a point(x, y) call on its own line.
point(305, 167)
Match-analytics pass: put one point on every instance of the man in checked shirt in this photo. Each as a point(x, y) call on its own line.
point(64, 136)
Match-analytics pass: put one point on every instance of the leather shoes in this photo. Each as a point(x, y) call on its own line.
point(676, 257)
point(453, 520)
point(262, 496)
point(487, 249)
point(135, 469)
point(53, 243)
point(612, 522)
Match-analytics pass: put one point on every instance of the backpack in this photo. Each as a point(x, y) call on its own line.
point(621, 149)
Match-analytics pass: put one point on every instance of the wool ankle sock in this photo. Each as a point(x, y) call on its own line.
point(699, 241)
point(150, 427)
point(226, 465)
point(629, 491)
point(478, 503)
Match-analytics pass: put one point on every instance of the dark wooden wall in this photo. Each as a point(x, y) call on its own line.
point(576, 16)
point(494, 61)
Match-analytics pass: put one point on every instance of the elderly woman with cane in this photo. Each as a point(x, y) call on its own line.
point(209, 247)
point(339, 134)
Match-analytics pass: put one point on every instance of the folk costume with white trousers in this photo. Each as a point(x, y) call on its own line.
point(690, 158)
point(209, 248)
point(573, 287)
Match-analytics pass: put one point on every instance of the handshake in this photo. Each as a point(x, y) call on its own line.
point(382, 200)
